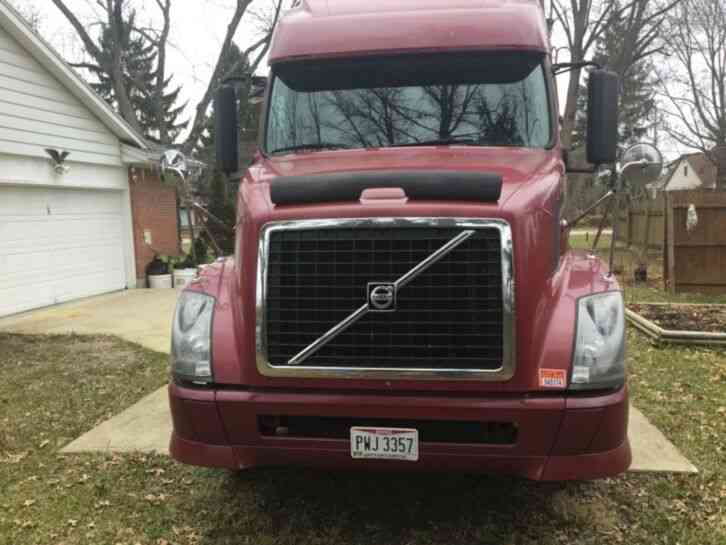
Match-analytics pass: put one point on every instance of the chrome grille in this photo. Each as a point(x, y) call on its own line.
point(453, 318)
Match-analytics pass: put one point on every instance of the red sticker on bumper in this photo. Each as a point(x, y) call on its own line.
point(552, 378)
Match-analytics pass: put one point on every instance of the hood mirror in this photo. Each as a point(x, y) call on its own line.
point(173, 165)
point(642, 164)
point(181, 172)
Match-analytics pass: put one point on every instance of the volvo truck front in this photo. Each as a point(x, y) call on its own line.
point(402, 294)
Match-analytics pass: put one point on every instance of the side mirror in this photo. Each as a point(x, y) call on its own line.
point(173, 165)
point(226, 115)
point(602, 117)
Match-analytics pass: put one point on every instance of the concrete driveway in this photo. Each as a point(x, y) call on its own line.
point(144, 316)
point(141, 316)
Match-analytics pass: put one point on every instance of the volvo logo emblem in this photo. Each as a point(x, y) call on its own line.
point(381, 297)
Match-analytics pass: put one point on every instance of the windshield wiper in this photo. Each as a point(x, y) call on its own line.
point(311, 147)
point(456, 140)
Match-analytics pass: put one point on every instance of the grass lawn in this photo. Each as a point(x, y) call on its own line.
point(55, 388)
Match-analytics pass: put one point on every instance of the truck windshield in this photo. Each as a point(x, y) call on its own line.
point(438, 99)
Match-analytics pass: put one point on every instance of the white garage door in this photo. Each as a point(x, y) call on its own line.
point(57, 245)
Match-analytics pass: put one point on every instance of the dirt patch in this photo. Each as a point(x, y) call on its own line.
point(705, 318)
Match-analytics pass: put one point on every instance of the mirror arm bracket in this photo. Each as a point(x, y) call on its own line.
point(603, 220)
point(562, 67)
point(571, 223)
point(236, 79)
point(639, 163)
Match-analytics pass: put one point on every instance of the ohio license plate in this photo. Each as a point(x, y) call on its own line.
point(384, 443)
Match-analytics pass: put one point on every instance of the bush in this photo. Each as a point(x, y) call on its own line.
point(201, 251)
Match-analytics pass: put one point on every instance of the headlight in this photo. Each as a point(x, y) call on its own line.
point(599, 360)
point(191, 331)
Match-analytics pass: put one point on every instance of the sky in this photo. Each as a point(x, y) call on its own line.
point(197, 31)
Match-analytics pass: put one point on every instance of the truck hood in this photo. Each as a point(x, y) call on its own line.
point(529, 203)
point(517, 166)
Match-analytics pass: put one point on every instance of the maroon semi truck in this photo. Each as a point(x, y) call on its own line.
point(402, 294)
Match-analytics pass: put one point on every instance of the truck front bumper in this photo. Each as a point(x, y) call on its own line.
point(558, 437)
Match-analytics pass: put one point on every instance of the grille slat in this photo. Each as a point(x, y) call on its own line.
point(411, 362)
point(449, 317)
point(408, 299)
point(279, 336)
point(337, 276)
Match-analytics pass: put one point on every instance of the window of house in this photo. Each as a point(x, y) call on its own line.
point(183, 217)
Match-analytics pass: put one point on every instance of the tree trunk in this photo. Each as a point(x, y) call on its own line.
point(165, 8)
point(568, 119)
point(115, 20)
point(124, 103)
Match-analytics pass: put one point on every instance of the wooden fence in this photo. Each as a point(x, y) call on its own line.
point(695, 260)
point(643, 219)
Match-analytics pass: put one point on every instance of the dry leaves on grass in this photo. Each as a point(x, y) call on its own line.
point(8, 458)
point(156, 500)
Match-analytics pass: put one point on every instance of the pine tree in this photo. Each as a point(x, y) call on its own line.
point(248, 118)
point(171, 112)
point(138, 63)
point(220, 196)
point(223, 208)
point(248, 123)
point(637, 105)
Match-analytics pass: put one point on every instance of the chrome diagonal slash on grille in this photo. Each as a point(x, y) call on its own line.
point(363, 310)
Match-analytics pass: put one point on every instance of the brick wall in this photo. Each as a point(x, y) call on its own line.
point(154, 210)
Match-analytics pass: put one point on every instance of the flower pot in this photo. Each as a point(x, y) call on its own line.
point(160, 281)
point(182, 277)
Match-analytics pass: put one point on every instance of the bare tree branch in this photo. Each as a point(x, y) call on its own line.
point(88, 43)
point(200, 117)
point(111, 65)
point(261, 46)
point(697, 100)
point(160, 77)
point(582, 32)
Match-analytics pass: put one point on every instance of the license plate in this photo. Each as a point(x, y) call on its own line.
point(384, 443)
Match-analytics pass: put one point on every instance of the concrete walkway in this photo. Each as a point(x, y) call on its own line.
point(144, 317)
point(141, 316)
point(143, 427)
point(652, 452)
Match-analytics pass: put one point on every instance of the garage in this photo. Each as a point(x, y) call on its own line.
point(59, 244)
point(82, 210)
